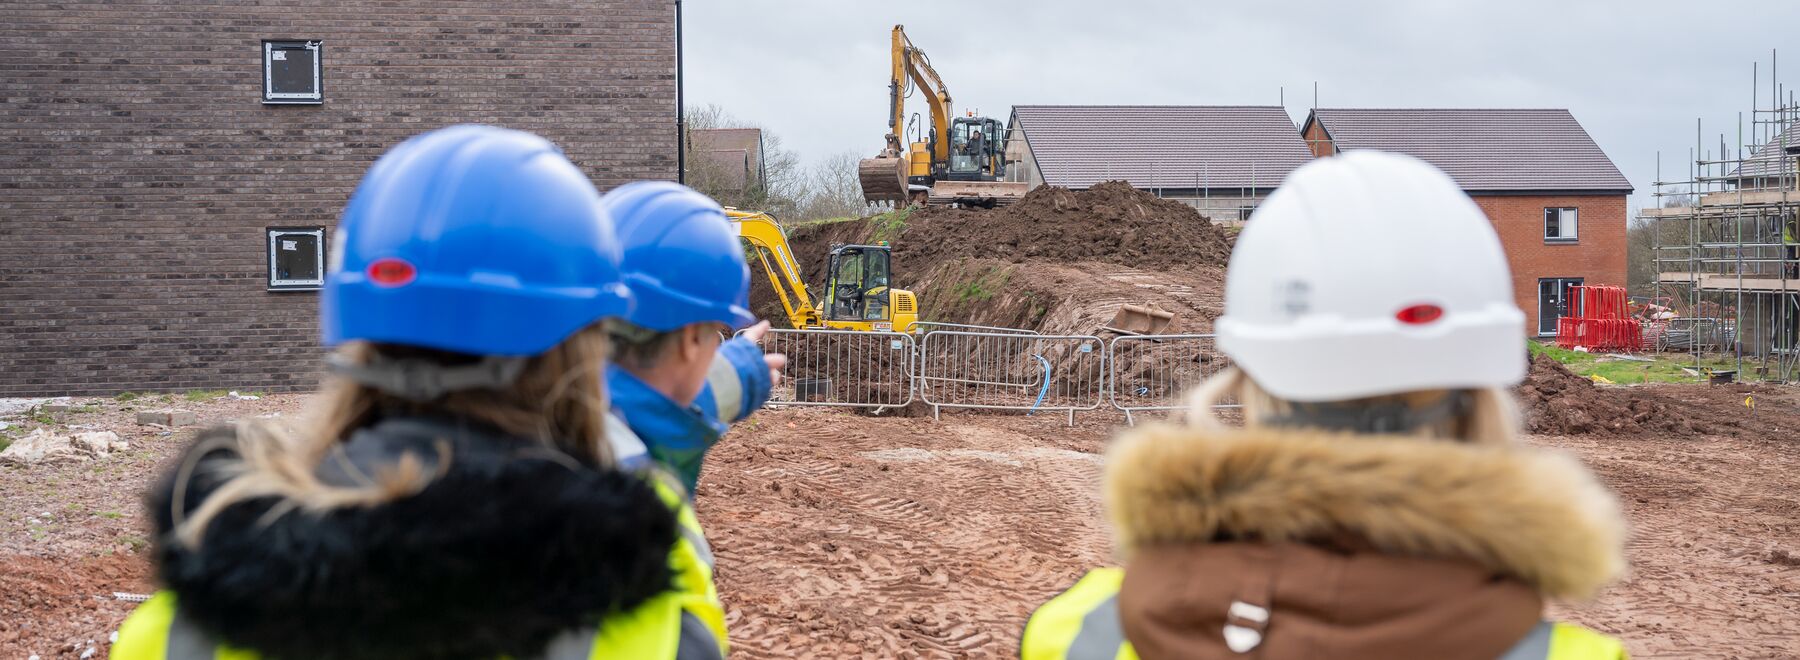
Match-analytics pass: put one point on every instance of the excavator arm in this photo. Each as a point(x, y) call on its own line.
point(777, 259)
point(911, 63)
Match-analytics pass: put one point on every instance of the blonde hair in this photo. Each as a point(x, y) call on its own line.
point(558, 403)
point(1491, 418)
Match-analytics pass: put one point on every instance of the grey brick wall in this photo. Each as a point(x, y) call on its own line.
point(139, 168)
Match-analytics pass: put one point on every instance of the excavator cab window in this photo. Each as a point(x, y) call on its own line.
point(859, 284)
point(968, 146)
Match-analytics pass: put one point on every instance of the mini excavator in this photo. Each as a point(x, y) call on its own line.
point(857, 295)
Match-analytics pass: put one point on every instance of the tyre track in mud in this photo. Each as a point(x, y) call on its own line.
point(1714, 550)
point(846, 536)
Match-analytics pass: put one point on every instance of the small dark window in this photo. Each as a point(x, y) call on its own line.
point(296, 258)
point(1559, 225)
point(293, 72)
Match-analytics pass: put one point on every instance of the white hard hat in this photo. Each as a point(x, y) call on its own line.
point(1366, 274)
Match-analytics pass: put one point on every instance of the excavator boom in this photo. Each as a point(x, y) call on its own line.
point(777, 260)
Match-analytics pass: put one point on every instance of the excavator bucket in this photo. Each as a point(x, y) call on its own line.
point(882, 179)
point(1140, 320)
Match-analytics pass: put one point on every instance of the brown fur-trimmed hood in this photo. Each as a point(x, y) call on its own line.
point(1533, 515)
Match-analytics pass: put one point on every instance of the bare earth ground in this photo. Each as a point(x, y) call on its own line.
point(841, 535)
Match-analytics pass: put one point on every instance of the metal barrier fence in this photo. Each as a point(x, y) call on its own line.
point(844, 368)
point(1150, 372)
point(960, 369)
point(934, 326)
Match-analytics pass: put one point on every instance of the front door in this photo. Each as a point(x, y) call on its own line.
point(1553, 302)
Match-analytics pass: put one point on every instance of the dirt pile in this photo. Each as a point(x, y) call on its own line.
point(1556, 401)
point(1057, 260)
point(1111, 222)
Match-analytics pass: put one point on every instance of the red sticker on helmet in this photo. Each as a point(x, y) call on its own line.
point(392, 272)
point(1420, 314)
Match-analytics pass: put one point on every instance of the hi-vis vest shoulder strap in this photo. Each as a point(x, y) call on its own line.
point(1083, 624)
point(1565, 641)
point(685, 624)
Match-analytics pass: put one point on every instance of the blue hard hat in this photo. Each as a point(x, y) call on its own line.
point(683, 259)
point(473, 239)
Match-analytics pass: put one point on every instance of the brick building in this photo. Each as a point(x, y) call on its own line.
point(1554, 197)
point(1222, 160)
point(170, 172)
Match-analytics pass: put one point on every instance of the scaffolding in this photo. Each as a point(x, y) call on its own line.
point(1724, 245)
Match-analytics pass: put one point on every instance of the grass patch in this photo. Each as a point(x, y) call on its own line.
point(887, 226)
point(137, 543)
point(983, 286)
point(109, 515)
point(126, 396)
point(1661, 369)
point(203, 395)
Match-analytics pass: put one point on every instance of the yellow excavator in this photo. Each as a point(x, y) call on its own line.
point(857, 295)
point(957, 160)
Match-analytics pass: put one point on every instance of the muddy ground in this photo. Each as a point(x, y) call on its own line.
point(843, 535)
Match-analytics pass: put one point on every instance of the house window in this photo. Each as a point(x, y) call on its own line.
point(1554, 301)
point(1559, 225)
point(293, 72)
point(296, 258)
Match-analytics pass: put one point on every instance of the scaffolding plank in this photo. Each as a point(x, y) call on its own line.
point(1732, 283)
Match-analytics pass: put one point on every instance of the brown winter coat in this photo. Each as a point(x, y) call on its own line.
point(1357, 547)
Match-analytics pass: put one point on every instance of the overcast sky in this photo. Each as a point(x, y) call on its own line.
point(1636, 74)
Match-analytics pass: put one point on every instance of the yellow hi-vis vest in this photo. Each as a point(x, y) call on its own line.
point(687, 623)
point(1083, 624)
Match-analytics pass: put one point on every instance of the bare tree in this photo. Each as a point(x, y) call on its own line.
point(834, 189)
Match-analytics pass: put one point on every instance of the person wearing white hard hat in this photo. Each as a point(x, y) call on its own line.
point(1376, 503)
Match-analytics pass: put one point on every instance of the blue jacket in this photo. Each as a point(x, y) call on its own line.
point(737, 384)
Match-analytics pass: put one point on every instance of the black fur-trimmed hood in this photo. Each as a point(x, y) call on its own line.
point(509, 547)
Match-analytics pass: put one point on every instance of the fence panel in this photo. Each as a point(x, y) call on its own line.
point(1150, 372)
point(844, 368)
point(959, 369)
point(924, 327)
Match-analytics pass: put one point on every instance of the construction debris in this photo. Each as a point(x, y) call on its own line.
point(43, 446)
point(167, 418)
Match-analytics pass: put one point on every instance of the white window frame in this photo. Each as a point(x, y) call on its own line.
point(272, 97)
point(1568, 224)
point(275, 234)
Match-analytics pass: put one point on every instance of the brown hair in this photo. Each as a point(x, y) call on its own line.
point(558, 403)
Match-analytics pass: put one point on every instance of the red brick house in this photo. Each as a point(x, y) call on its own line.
point(1555, 198)
point(170, 174)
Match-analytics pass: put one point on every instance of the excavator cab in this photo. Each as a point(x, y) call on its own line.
point(976, 145)
point(858, 288)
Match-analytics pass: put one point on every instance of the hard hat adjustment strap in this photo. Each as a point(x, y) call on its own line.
point(421, 380)
point(1390, 417)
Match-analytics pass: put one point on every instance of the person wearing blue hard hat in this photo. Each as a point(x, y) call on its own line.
point(458, 490)
point(676, 380)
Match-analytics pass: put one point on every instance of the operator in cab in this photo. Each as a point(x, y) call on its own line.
point(1377, 502)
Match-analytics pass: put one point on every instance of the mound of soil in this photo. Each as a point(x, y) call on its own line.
point(1556, 401)
point(1111, 222)
point(957, 259)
